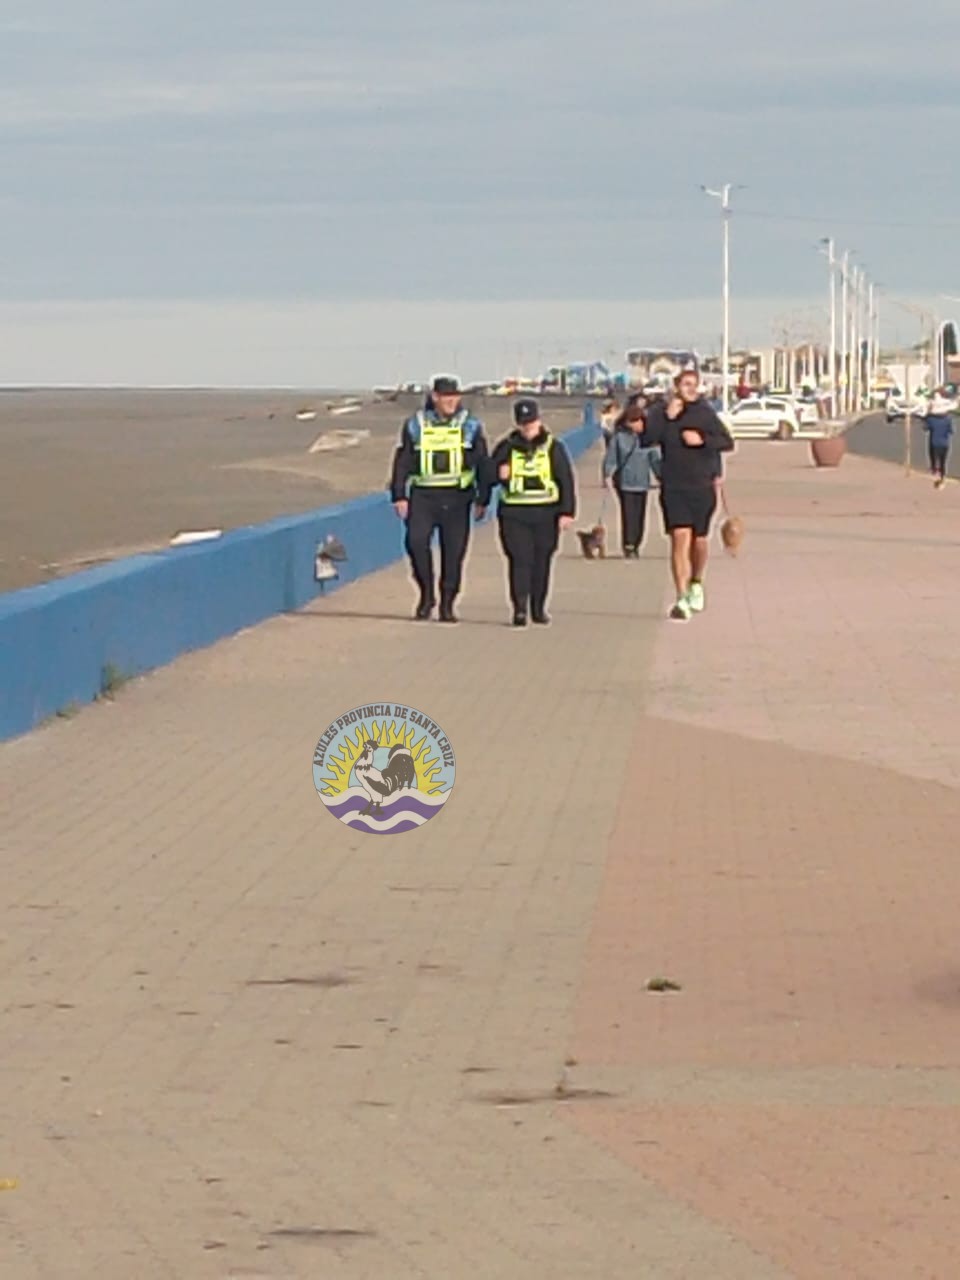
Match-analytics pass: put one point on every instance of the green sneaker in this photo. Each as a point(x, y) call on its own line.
point(681, 610)
point(695, 597)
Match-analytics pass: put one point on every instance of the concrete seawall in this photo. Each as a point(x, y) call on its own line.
point(63, 643)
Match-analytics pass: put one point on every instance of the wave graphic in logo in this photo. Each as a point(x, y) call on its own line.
point(402, 812)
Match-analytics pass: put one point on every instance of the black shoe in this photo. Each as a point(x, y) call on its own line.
point(423, 610)
point(540, 618)
point(446, 610)
point(519, 619)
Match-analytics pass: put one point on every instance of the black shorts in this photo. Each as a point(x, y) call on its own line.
point(689, 509)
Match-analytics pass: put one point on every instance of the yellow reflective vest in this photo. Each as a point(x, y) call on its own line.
point(531, 482)
point(441, 447)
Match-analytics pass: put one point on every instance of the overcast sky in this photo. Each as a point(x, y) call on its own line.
point(309, 191)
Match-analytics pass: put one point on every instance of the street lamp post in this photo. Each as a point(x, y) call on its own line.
point(854, 353)
point(860, 303)
point(723, 195)
point(844, 328)
point(871, 346)
point(832, 262)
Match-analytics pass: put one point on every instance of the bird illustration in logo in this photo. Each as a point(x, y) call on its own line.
point(380, 784)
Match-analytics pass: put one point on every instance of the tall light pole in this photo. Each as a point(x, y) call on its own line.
point(871, 345)
point(844, 321)
point(854, 353)
point(723, 195)
point(860, 330)
point(832, 260)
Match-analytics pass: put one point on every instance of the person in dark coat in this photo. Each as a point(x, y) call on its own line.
point(439, 471)
point(692, 439)
point(537, 500)
point(938, 425)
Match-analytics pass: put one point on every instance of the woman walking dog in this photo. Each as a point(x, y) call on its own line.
point(629, 469)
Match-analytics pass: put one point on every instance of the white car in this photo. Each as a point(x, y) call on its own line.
point(896, 407)
point(808, 413)
point(764, 417)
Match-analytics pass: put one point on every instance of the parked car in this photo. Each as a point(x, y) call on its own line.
point(897, 406)
point(808, 411)
point(763, 417)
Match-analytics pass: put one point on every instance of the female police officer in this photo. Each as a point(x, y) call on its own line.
point(537, 499)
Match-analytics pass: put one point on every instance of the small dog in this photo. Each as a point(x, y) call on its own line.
point(593, 542)
point(731, 534)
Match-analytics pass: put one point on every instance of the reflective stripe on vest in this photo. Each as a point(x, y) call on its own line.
point(531, 481)
point(441, 447)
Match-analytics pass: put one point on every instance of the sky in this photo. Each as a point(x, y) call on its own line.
point(311, 192)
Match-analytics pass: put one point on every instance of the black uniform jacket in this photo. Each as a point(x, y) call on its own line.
point(406, 462)
point(562, 474)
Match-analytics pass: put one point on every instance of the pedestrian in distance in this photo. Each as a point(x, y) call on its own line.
point(629, 469)
point(691, 439)
point(938, 425)
point(537, 501)
point(609, 416)
point(439, 471)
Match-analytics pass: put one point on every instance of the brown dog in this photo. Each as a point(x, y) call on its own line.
point(731, 534)
point(593, 542)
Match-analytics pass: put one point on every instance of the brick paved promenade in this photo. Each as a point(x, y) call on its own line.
point(240, 1040)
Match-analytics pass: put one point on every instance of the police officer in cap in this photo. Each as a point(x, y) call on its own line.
point(537, 500)
point(439, 469)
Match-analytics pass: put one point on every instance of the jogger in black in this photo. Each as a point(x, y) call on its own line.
point(691, 438)
point(630, 468)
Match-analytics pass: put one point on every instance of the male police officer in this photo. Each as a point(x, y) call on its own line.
point(439, 469)
point(537, 500)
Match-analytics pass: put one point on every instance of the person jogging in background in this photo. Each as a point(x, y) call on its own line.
point(938, 425)
point(691, 439)
point(439, 470)
point(629, 468)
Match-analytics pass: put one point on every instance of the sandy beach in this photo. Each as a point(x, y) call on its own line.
point(88, 476)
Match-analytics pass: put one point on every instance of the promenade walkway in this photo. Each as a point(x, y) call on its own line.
point(240, 1040)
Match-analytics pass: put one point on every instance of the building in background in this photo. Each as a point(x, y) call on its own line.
point(649, 365)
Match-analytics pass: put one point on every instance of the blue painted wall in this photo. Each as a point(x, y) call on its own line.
point(57, 640)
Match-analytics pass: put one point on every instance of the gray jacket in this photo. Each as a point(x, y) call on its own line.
point(632, 464)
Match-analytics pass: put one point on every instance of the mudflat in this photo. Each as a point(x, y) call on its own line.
point(90, 475)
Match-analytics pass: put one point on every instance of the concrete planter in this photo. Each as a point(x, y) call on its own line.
point(829, 451)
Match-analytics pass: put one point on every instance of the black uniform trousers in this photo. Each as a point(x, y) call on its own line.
point(449, 511)
point(633, 517)
point(529, 538)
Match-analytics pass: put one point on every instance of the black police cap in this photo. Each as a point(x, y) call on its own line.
point(526, 411)
point(446, 386)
